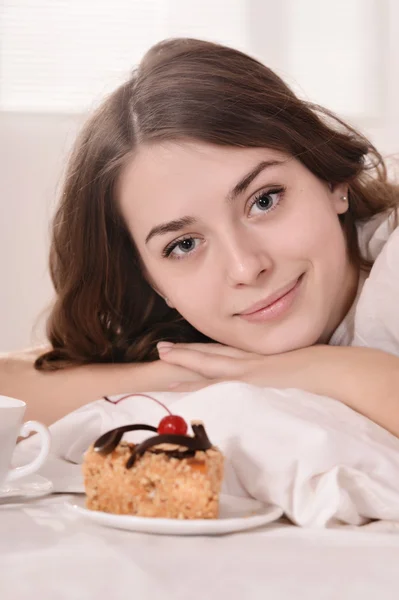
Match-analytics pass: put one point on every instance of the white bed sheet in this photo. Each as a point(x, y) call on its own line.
point(48, 553)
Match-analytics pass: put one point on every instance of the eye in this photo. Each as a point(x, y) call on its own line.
point(179, 248)
point(266, 201)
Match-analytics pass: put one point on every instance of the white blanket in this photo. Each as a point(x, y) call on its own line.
point(321, 462)
point(376, 316)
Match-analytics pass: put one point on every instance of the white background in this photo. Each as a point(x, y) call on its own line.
point(58, 57)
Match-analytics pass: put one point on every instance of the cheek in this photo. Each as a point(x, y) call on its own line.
point(313, 234)
point(192, 291)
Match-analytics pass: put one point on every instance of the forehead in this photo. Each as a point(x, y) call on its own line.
point(171, 161)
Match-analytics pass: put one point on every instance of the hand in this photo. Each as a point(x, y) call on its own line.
point(213, 362)
point(217, 363)
point(161, 375)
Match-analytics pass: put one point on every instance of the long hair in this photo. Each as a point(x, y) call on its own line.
point(105, 310)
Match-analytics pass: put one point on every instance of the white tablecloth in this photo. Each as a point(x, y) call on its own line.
point(49, 553)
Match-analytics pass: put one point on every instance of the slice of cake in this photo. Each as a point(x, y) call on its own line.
point(168, 475)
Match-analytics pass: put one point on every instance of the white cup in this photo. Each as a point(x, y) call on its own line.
point(11, 414)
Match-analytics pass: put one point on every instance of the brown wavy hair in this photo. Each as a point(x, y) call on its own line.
point(105, 310)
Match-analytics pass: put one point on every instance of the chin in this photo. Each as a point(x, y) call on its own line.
point(285, 343)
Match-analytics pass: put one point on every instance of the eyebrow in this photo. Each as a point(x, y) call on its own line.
point(171, 226)
point(239, 188)
point(246, 181)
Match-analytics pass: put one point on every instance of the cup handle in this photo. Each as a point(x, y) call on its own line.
point(44, 434)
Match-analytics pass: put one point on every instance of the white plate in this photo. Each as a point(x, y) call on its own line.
point(236, 514)
point(30, 486)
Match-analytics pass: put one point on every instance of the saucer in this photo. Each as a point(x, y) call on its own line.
point(235, 514)
point(30, 486)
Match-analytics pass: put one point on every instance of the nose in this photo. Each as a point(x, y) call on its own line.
point(245, 259)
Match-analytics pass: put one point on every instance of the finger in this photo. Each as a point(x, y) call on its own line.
point(218, 349)
point(208, 365)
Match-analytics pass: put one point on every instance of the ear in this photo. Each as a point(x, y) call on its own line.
point(151, 283)
point(339, 195)
point(168, 302)
point(157, 291)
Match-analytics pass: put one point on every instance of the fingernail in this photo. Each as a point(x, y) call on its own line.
point(164, 347)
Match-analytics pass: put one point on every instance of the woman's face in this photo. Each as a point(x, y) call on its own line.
point(245, 243)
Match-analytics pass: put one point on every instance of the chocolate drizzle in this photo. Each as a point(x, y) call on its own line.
point(109, 440)
point(199, 442)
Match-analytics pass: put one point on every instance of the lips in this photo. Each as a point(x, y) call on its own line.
point(265, 303)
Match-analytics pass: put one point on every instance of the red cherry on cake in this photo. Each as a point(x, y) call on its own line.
point(172, 424)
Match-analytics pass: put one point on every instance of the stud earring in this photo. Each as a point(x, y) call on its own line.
point(344, 198)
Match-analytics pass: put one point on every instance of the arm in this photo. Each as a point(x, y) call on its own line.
point(364, 379)
point(51, 395)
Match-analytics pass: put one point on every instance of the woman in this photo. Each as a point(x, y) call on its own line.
point(204, 202)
